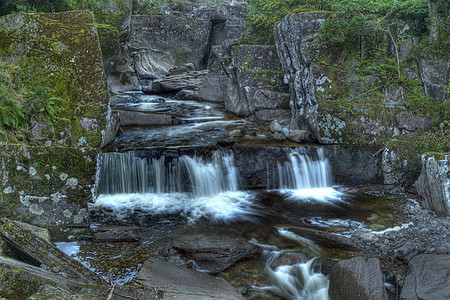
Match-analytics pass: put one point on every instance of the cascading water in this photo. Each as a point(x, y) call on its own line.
point(301, 172)
point(303, 177)
point(191, 186)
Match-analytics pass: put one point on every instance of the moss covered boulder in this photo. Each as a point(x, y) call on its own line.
point(48, 186)
point(61, 53)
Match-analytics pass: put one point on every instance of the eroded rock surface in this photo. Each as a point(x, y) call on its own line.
point(357, 279)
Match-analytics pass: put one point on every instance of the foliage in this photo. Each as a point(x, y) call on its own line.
point(19, 106)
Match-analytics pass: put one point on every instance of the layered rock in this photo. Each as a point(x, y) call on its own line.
point(433, 185)
point(190, 81)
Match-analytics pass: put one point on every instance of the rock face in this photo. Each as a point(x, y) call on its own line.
point(433, 185)
point(357, 279)
point(158, 46)
point(50, 182)
point(181, 283)
point(328, 101)
point(214, 250)
point(428, 278)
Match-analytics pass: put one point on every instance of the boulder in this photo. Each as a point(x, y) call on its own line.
point(28, 243)
point(428, 278)
point(433, 185)
point(214, 250)
point(191, 80)
point(182, 283)
point(357, 279)
point(406, 252)
point(188, 95)
point(152, 63)
point(299, 136)
point(274, 126)
point(189, 67)
point(134, 118)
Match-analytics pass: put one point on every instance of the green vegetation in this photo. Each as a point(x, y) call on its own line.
point(19, 107)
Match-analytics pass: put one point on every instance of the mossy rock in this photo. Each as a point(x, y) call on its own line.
point(47, 186)
point(60, 52)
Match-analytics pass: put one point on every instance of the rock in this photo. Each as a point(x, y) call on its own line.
point(152, 63)
point(187, 95)
point(278, 136)
point(67, 62)
point(215, 249)
point(189, 67)
point(235, 133)
point(183, 283)
point(406, 252)
point(23, 240)
point(47, 292)
point(428, 278)
point(353, 165)
point(134, 118)
point(47, 186)
point(275, 127)
point(325, 238)
point(433, 185)
point(357, 279)
point(299, 136)
point(162, 33)
point(434, 75)
point(191, 80)
point(116, 234)
point(112, 127)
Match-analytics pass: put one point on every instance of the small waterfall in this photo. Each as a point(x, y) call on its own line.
point(301, 172)
point(126, 173)
point(193, 187)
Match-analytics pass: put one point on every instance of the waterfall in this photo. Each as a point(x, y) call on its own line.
point(302, 177)
point(126, 173)
point(193, 187)
point(301, 172)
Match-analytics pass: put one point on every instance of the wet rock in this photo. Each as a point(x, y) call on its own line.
point(357, 279)
point(214, 249)
point(433, 185)
point(183, 283)
point(325, 238)
point(191, 80)
point(46, 292)
point(299, 136)
point(34, 249)
point(428, 278)
point(134, 118)
point(442, 250)
point(406, 252)
point(278, 136)
point(187, 95)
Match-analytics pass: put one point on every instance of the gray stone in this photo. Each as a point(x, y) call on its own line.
point(187, 95)
point(215, 249)
point(278, 136)
point(134, 118)
point(189, 67)
point(407, 252)
point(434, 75)
point(428, 278)
point(357, 279)
point(299, 136)
point(433, 185)
point(182, 283)
point(327, 239)
point(274, 126)
point(191, 80)
point(162, 33)
point(152, 63)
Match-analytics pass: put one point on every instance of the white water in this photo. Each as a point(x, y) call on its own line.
point(192, 187)
point(306, 179)
point(299, 281)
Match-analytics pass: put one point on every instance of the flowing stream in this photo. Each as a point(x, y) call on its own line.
point(151, 179)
